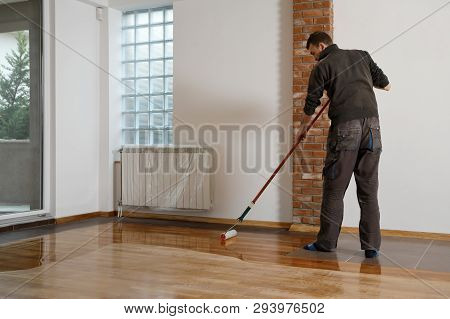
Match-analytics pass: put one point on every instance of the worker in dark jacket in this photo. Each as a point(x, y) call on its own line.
point(354, 140)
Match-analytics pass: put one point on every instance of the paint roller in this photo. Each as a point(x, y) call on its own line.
point(228, 234)
point(231, 232)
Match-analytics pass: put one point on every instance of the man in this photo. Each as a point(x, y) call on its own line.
point(354, 140)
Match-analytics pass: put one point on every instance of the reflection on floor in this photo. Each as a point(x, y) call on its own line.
point(144, 258)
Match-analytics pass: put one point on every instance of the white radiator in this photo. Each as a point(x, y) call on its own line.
point(166, 177)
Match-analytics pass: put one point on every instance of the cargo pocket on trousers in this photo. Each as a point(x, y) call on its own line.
point(375, 139)
point(348, 140)
point(329, 168)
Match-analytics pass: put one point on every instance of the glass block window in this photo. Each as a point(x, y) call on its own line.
point(147, 76)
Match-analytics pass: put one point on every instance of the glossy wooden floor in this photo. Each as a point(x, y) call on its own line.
point(141, 258)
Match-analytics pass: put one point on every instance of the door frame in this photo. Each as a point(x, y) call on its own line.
point(46, 97)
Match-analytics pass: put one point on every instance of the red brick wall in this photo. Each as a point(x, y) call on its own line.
point(309, 16)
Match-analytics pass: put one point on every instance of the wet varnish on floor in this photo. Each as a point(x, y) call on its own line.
point(144, 258)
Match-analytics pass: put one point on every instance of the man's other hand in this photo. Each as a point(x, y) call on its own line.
point(305, 119)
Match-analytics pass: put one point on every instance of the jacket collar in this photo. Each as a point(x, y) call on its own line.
point(328, 50)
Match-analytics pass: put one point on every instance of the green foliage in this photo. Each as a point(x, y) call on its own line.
point(15, 92)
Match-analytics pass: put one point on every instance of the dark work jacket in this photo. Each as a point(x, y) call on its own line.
point(348, 76)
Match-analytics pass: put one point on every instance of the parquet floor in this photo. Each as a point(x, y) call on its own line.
point(146, 258)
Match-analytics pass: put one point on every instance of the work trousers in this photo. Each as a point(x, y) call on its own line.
point(352, 147)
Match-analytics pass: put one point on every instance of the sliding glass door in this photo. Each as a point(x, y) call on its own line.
point(21, 125)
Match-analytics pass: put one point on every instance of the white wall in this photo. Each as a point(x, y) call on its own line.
point(110, 103)
point(414, 169)
point(76, 108)
point(86, 113)
point(240, 69)
point(233, 65)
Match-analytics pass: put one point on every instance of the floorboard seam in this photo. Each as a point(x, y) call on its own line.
point(424, 253)
point(349, 258)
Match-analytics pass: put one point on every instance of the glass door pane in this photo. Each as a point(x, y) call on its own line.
point(20, 108)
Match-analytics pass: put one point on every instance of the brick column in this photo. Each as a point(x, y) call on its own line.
point(309, 16)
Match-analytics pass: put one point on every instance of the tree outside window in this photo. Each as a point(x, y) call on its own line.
point(15, 90)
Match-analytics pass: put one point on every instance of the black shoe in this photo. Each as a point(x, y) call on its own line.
point(314, 247)
point(371, 253)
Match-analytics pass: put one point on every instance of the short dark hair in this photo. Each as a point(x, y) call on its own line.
point(319, 37)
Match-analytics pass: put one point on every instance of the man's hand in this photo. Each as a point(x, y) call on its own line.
point(386, 88)
point(304, 120)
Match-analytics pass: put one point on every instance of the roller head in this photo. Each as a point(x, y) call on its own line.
point(229, 234)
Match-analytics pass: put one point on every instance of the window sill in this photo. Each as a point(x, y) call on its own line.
point(14, 141)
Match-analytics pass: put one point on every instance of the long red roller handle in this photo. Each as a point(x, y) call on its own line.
point(299, 140)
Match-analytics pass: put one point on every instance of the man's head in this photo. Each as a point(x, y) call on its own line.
point(317, 42)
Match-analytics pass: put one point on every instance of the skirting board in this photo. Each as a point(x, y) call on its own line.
point(74, 218)
point(208, 220)
point(384, 232)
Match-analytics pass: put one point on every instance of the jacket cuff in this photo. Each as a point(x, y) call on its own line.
point(383, 82)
